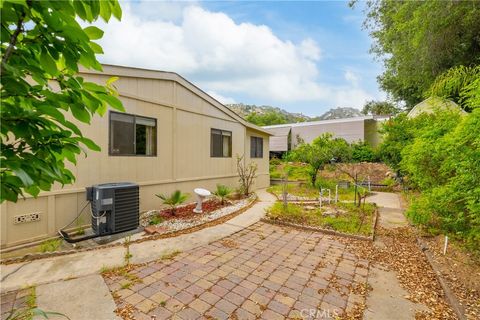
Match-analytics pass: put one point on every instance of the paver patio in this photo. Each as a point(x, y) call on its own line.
point(263, 271)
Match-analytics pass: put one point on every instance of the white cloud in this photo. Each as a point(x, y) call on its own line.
point(310, 49)
point(223, 57)
point(220, 98)
point(351, 77)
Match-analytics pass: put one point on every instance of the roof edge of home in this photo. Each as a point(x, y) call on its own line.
point(160, 75)
point(312, 123)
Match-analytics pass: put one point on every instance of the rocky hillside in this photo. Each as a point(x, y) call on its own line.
point(268, 115)
point(246, 110)
point(340, 113)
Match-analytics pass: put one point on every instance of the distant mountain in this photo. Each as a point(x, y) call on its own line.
point(248, 110)
point(268, 115)
point(340, 113)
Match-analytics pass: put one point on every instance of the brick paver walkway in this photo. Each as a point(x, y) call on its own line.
point(264, 271)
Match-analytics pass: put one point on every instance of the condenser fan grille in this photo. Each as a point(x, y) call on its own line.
point(126, 209)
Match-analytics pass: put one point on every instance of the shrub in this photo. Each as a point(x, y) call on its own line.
point(442, 160)
point(325, 184)
point(363, 152)
point(389, 182)
point(173, 200)
point(222, 192)
point(275, 161)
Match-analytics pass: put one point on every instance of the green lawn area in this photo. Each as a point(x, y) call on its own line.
point(297, 171)
point(347, 220)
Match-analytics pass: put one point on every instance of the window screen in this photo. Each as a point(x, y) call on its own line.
point(220, 143)
point(256, 147)
point(132, 135)
point(122, 134)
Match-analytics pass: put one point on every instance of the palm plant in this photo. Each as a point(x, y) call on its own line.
point(222, 193)
point(173, 200)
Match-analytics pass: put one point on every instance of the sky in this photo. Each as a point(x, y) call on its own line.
point(303, 57)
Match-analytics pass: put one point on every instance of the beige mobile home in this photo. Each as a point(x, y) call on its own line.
point(172, 136)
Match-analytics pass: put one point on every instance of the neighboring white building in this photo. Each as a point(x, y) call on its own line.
point(286, 136)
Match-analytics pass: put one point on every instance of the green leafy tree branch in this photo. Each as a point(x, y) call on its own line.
point(321, 152)
point(42, 46)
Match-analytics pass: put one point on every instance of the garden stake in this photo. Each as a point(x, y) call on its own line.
point(336, 193)
point(445, 246)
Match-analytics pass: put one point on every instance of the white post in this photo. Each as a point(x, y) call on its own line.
point(369, 187)
point(320, 197)
point(329, 196)
point(336, 193)
point(445, 246)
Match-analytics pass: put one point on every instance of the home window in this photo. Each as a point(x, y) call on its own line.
point(256, 147)
point(220, 143)
point(132, 135)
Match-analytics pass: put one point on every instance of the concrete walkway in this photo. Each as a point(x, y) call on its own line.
point(19, 275)
point(391, 212)
point(387, 298)
point(76, 299)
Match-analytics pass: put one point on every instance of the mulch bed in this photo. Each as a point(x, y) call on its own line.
point(186, 211)
point(460, 272)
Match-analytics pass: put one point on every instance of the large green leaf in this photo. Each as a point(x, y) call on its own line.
point(117, 11)
point(93, 33)
point(23, 176)
point(114, 102)
point(90, 144)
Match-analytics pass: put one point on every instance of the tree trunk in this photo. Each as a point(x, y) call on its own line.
point(13, 39)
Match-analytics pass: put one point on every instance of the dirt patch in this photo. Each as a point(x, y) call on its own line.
point(376, 171)
point(461, 270)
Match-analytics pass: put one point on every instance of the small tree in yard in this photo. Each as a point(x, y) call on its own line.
point(173, 200)
point(247, 174)
point(321, 152)
point(352, 170)
point(42, 46)
point(222, 193)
